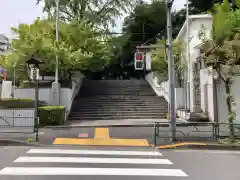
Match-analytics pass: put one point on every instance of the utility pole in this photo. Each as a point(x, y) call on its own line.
point(188, 56)
point(57, 38)
point(55, 92)
point(171, 75)
point(171, 72)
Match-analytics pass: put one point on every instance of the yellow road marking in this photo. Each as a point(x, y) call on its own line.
point(102, 142)
point(181, 144)
point(102, 138)
point(102, 133)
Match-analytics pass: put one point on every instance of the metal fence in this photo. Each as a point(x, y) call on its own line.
point(17, 120)
point(194, 131)
point(185, 131)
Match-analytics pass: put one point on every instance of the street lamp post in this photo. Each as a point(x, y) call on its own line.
point(57, 38)
point(55, 93)
point(14, 79)
point(34, 64)
point(188, 57)
point(171, 72)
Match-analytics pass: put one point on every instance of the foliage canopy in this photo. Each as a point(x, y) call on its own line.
point(79, 48)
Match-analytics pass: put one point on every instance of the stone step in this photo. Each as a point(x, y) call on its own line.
point(117, 93)
point(137, 98)
point(102, 103)
point(117, 85)
point(100, 113)
point(117, 112)
point(104, 94)
point(122, 102)
point(117, 117)
point(153, 101)
point(127, 88)
point(124, 97)
point(145, 93)
point(121, 108)
point(116, 82)
point(118, 99)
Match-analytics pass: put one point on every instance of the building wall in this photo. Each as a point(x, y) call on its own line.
point(162, 89)
point(206, 84)
point(195, 26)
point(67, 95)
point(207, 92)
point(221, 98)
point(29, 93)
point(4, 44)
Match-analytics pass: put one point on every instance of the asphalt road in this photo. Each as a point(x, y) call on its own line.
point(74, 163)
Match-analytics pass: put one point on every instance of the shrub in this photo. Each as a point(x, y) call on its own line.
point(51, 115)
point(45, 84)
point(18, 103)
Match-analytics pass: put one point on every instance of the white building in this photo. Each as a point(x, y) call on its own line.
point(4, 44)
point(202, 78)
point(194, 102)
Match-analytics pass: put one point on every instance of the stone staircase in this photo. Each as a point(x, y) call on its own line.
point(118, 100)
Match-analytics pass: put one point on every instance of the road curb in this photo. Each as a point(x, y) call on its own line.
point(216, 147)
point(202, 146)
point(10, 142)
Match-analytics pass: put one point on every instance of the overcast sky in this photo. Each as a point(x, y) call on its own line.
point(13, 12)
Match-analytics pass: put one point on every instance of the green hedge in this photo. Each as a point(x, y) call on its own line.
point(30, 84)
point(51, 115)
point(19, 103)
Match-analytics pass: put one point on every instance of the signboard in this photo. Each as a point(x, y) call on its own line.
point(148, 61)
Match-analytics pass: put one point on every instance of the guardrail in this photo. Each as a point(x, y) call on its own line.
point(215, 133)
point(15, 124)
point(76, 90)
point(157, 129)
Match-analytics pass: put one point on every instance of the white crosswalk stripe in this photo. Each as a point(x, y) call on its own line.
point(93, 152)
point(92, 160)
point(44, 162)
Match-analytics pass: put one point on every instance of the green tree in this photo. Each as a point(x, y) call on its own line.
point(222, 51)
point(160, 64)
point(79, 47)
point(202, 6)
point(146, 24)
point(102, 12)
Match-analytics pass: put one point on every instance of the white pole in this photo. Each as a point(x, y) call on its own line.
point(171, 72)
point(57, 38)
point(188, 54)
point(14, 79)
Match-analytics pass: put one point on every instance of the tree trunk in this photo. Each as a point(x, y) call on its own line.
point(229, 106)
point(178, 77)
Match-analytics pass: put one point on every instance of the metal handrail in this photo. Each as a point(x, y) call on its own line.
point(72, 98)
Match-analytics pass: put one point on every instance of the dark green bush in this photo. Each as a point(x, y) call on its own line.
point(51, 115)
point(18, 103)
point(31, 84)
